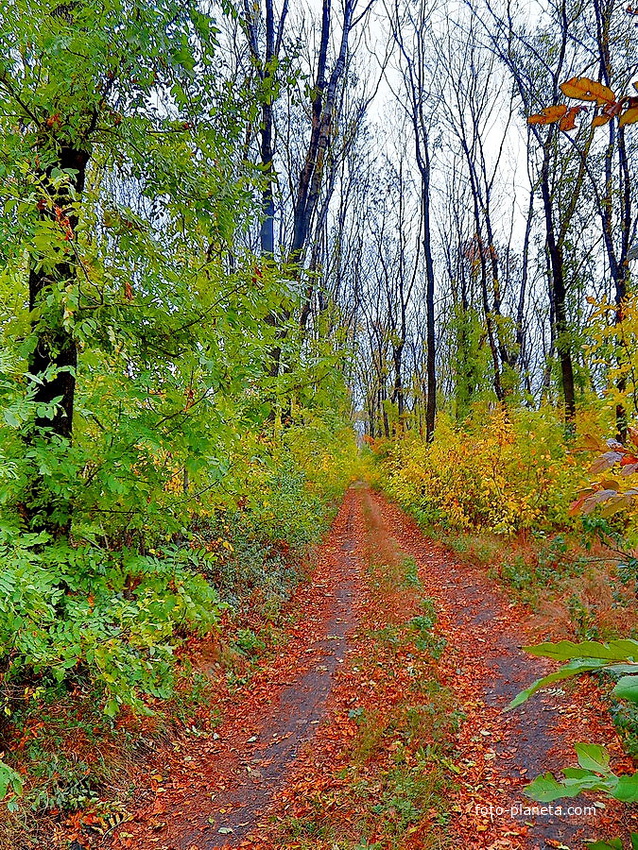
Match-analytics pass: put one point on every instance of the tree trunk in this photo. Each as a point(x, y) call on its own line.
point(563, 344)
point(397, 390)
point(54, 358)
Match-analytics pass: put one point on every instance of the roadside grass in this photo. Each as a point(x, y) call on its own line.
point(81, 767)
point(575, 587)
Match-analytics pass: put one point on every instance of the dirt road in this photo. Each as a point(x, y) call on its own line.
point(368, 731)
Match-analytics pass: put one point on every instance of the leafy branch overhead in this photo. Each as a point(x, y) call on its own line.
point(582, 88)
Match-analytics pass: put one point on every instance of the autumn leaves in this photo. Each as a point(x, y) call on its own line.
point(582, 88)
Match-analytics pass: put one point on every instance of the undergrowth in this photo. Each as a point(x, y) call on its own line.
point(503, 472)
point(496, 492)
point(111, 650)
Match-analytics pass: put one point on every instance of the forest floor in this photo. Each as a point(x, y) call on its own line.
point(379, 722)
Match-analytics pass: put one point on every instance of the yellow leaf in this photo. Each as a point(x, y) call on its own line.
point(582, 88)
point(629, 116)
point(636, 85)
point(548, 115)
point(601, 120)
point(591, 442)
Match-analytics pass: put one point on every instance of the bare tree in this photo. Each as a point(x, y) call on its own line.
point(411, 26)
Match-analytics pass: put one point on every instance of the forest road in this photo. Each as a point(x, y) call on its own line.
point(279, 734)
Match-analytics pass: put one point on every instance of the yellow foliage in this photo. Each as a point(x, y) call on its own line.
point(615, 349)
point(509, 472)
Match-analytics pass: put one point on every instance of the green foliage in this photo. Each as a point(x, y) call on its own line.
point(69, 611)
point(171, 427)
point(614, 844)
point(10, 780)
point(248, 642)
point(594, 774)
point(68, 784)
point(84, 616)
point(168, 339)
point(616, 656)
point(546, 563)
point(423, 625)
point(410, 570)
point(470, 365)
point(407, 792)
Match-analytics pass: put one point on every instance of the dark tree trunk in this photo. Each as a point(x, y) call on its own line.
point(384, 414)
point(54, 358)
point(423, 160)
point(267, 234)
point(563, 344)
point(311, 177)
point(397, 391)
point(430, 345)
point(520, 311)
point(617, 249)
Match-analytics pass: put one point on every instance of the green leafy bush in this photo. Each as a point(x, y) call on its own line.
point(86, 616)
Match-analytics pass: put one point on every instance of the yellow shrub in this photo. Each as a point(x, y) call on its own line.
point(507, 472)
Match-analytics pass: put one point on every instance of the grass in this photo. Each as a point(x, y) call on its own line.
point(81, 765)
point(625, 717)
point(76, 760)
point(575, 585)
point(409, 792)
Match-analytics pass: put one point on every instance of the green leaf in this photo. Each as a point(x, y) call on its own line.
point(576, 773)
point(10, 779)
point(11, 419)
point(593, 757)
point(111, 708)
point(615, 650)
point(612, 844)
point(627, 688)
point(545, 789)
point(623, 668)
point(573, 668)
point(627, 788)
